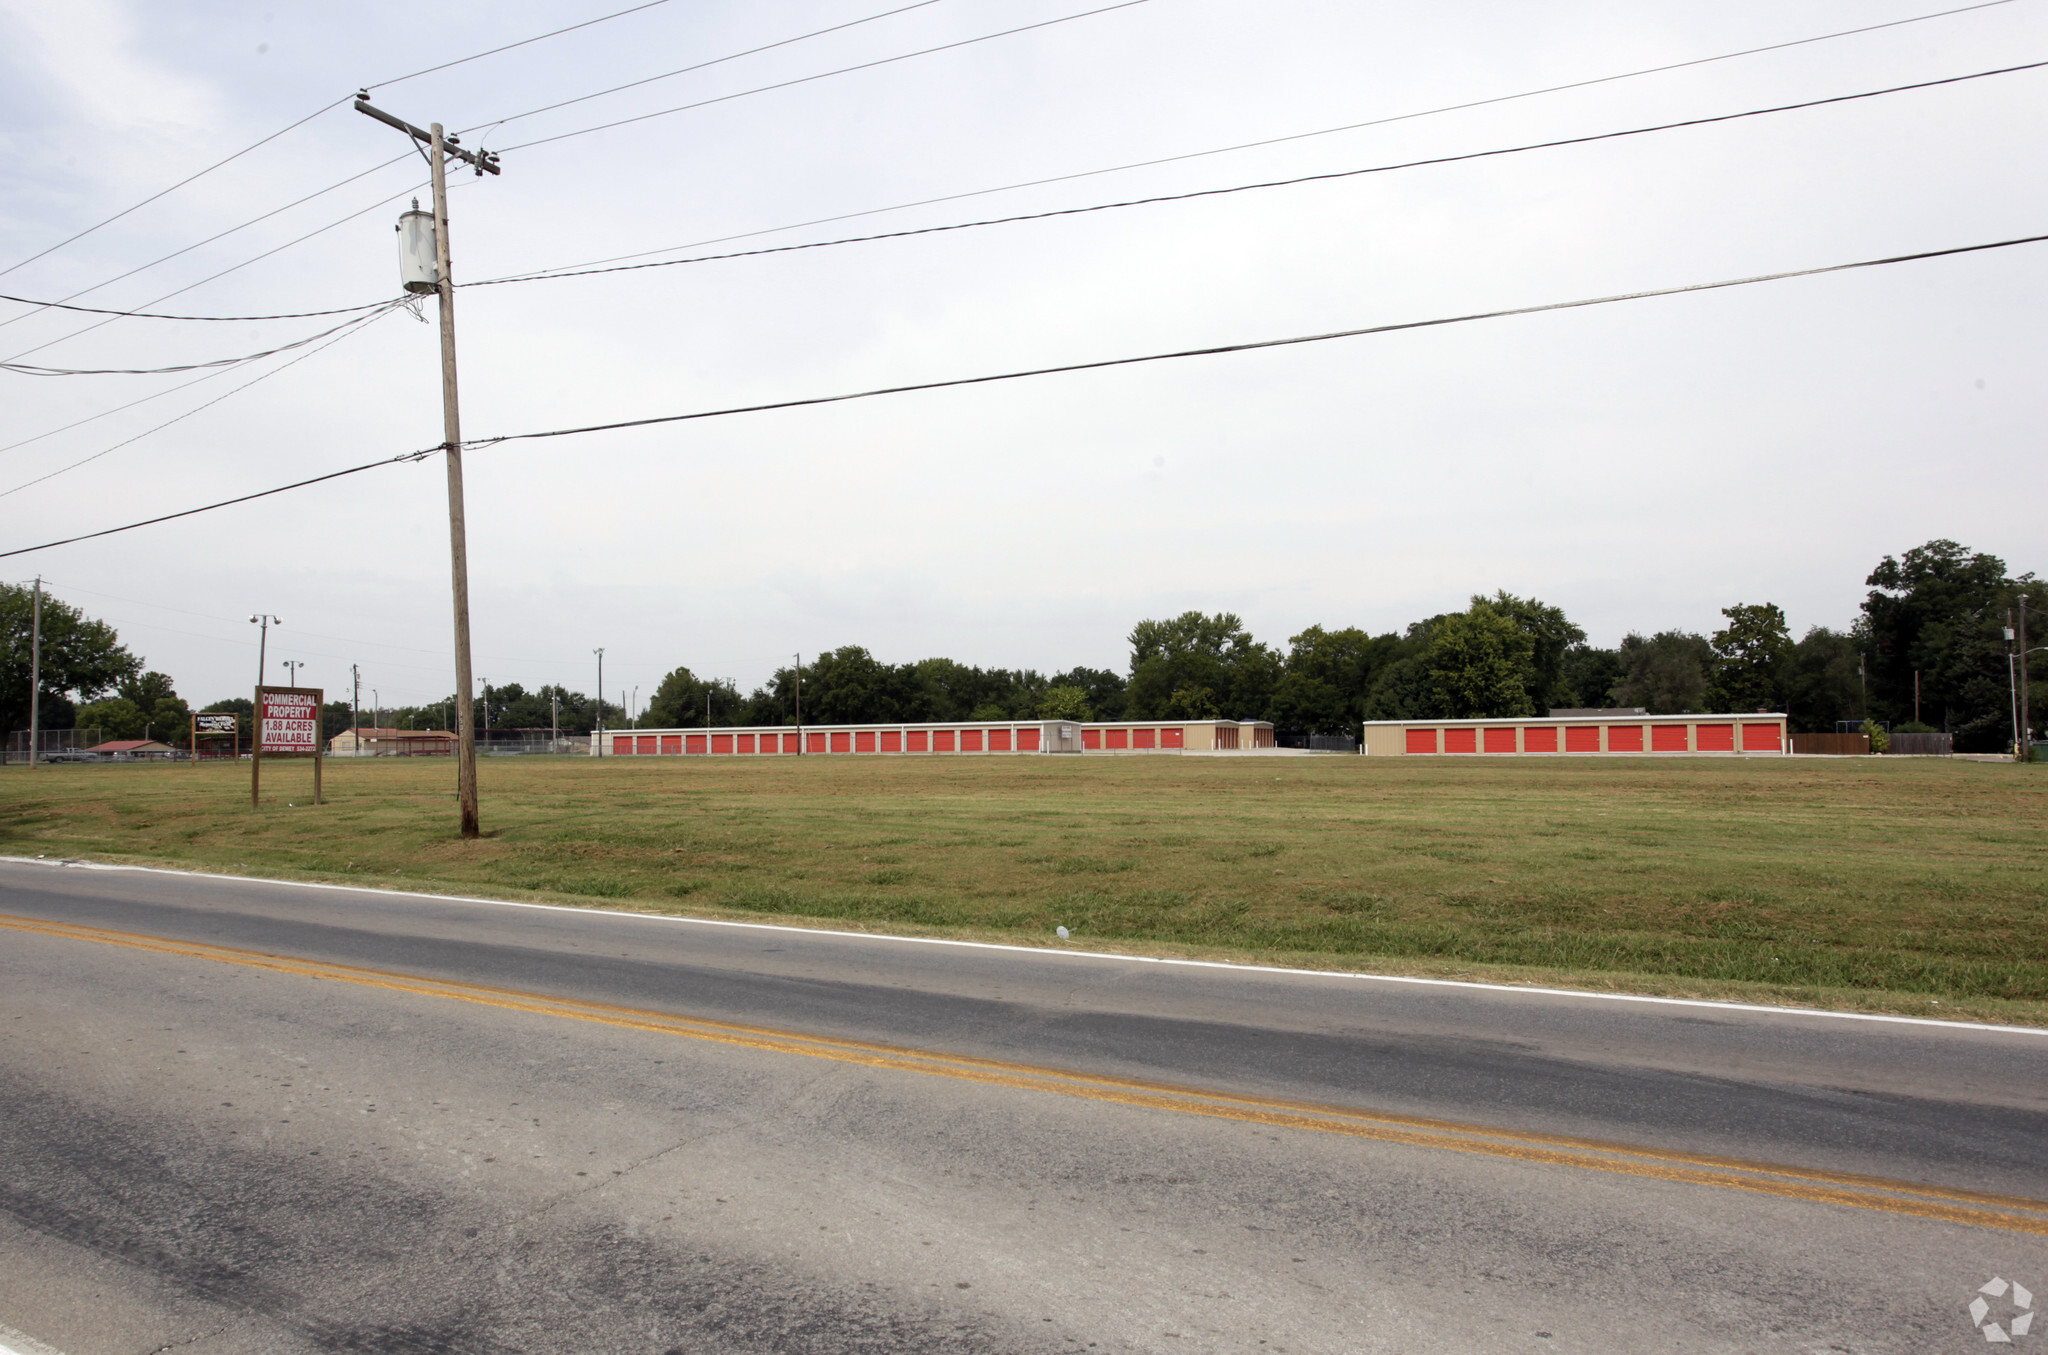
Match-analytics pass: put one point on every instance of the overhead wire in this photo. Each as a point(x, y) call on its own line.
point(190, 178)
point(821, 75)
point(153, 315)
point(1280, 140)
point(701, 65)
point(1326, 177)
point(30, 369)
point(396, 159)
point(233, 268)
point(1026, 373)
point(353, 327)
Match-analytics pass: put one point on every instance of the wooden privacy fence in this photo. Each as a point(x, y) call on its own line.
point(1832, 745)
point(1922, 745)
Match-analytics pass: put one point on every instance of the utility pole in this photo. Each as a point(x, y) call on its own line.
point(35, 675)
point(799, 704)
point(266, 620)
point(2012, 681)
point(1916, 696)
point(599, 726)
point(2026, 706)
point(440, 147)
point(355, 709)
point(1863, 682)
point(554, 721)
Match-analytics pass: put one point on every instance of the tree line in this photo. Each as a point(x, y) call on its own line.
point(1938, 611)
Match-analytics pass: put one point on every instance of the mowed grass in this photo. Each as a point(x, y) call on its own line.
point(1914, 885)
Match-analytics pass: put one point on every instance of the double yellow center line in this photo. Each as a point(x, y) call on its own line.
point(1761, 1178)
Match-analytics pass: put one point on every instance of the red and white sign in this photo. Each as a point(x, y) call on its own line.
point(288, 722)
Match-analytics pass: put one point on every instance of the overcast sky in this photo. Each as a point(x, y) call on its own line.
point(1642, 465)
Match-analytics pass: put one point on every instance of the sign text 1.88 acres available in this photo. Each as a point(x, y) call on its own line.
point(289, 722)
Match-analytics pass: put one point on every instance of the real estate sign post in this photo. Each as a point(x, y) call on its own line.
point(287, 725)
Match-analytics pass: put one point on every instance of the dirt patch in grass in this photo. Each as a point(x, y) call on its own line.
point(1918, 885)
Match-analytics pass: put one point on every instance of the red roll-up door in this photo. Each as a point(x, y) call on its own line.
point(622, 745)
point(1714, 738)
point(1027, 740)
point(1668, 739)
point(1624, 738)
point(1091, 738)
point(999, 741)
point(813, 743)
point(942, 740)
point(1422, 740)
point(1118, 738)
point(1172, 738)
point(842, 742)
point(1763, 739)
point(1461, 740)
point(920, 740)
point(1582, 738)
point(1500, 740)
point(1144, 738)
point(892, 740)
point(721, 743)
point(648, 744)
point(970, 741)
point(1540, 740)
point(864, 741)
point(743, 743)
point(671, 743)
point(693, 743)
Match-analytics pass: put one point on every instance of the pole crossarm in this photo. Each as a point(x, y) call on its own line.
point(485, 162)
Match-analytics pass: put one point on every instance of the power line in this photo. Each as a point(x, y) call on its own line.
point(701, 65)
point(180, 291)
point(353, 327)
point(461, 61)
point(300, 123)
point(152, 315)
point(549, 275)
point(1281, 140)
point(91, 418)
point(826, 75)
point(29, 369)
point(1212, 351)
point(222, 235)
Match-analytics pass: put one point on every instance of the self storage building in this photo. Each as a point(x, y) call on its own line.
point(1763, 732)
point(953, 736)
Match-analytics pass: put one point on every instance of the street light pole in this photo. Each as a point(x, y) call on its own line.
point(266, 621)
point(2026, 707)
point(599, 725)
point(440, 148)
point(799, 704)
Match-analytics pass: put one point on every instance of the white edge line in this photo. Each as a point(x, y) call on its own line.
point(75, 863)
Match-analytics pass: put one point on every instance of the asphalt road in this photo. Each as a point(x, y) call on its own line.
point(248, 1117)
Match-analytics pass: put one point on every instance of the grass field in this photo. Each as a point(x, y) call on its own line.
point(1915, 885)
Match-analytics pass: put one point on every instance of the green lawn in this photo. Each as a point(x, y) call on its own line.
point(1916, 885)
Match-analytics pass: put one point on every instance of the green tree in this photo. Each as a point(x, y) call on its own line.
point(79, 655)
point(1107, 691)
point(1064, 702)
point(1551, 637)
point(1939, 611)
point(1587, 676)
point(1192, 652)
point(1666, 674)
point(1329, 678)
point(1821, 687)
point(682, 700)
point(1480, 662)
point(1752, 655)
point(116, 717)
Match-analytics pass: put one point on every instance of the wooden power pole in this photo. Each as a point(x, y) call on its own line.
point(440, 147)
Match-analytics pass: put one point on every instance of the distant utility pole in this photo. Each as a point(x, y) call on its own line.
point(2026, 706)
point(1863, 682)
point(355, 709)
point(2012, 680)
point(266, 620)
point(35, 675)
point(799, 704)
point(554, 721)
point(440, 147)
point(599, 726)
point(1916, 696)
